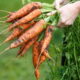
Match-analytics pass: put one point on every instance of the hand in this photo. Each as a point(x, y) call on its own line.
point(68, 14)
point(58, 3)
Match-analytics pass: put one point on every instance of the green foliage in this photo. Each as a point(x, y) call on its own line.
point(70, 50)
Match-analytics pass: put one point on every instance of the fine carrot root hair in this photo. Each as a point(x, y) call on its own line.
point(4, 50)
point(4, 31)
point(24, 11)
point(2, 22)
point(3, 17)
point(5, 11)
point(26, 18)
point(29, 34)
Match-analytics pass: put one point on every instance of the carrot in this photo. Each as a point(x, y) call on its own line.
point(27, 25)
point(18, 31)
point(46, 54)
point(35, 59)
point(24, 11)
point(27, 46)
point(29, 34)
point(42, 59)
point(21, 49)
point(37, 74)
point(15, 33)
point(47, 38)
point(26, 19)
point(35, 54)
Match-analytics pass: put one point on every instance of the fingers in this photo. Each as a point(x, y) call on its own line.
point(65, 23)
point(57, 4)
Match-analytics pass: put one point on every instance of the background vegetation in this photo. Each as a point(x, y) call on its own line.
point(64, 49)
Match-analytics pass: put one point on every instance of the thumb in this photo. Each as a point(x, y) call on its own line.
point(56, 4)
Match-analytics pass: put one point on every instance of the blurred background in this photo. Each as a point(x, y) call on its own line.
point(12, 68)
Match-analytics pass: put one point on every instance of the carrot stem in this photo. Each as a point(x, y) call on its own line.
point(46, 10)
point(47, 5)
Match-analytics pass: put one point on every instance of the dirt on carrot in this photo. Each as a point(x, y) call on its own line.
point(26, 18)
point(26, 46)
point(24, 11)
point(19, 30)
point(29, 34)
point(47, 38)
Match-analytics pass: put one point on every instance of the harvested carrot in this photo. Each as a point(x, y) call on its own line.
point(42, 59)
point(35, 59)
point(17, 31)
point(46, 54)
point(37, 74)
point(47, 38)
point(35, 54)
point(27, 46)
point(21, 49)
point(24, 11)
point(27, 25)
point(26, 19)
point(29, 34)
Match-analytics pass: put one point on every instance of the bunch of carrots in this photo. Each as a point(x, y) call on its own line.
point(27, 25)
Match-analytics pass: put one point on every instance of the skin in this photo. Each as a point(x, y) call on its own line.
point(58, 3)
point(68, 13)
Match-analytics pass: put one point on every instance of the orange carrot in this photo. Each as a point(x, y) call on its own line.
point(21, 49)
point(37, 74)
point(27, 25)
point(42, 59)
point(26, 19)
point(29, 34)
point(24, 11)
point(36, 60)
point(17, 31)
point(47, 38)
point(27, 46)
point(46, 54)
point(35, 54)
